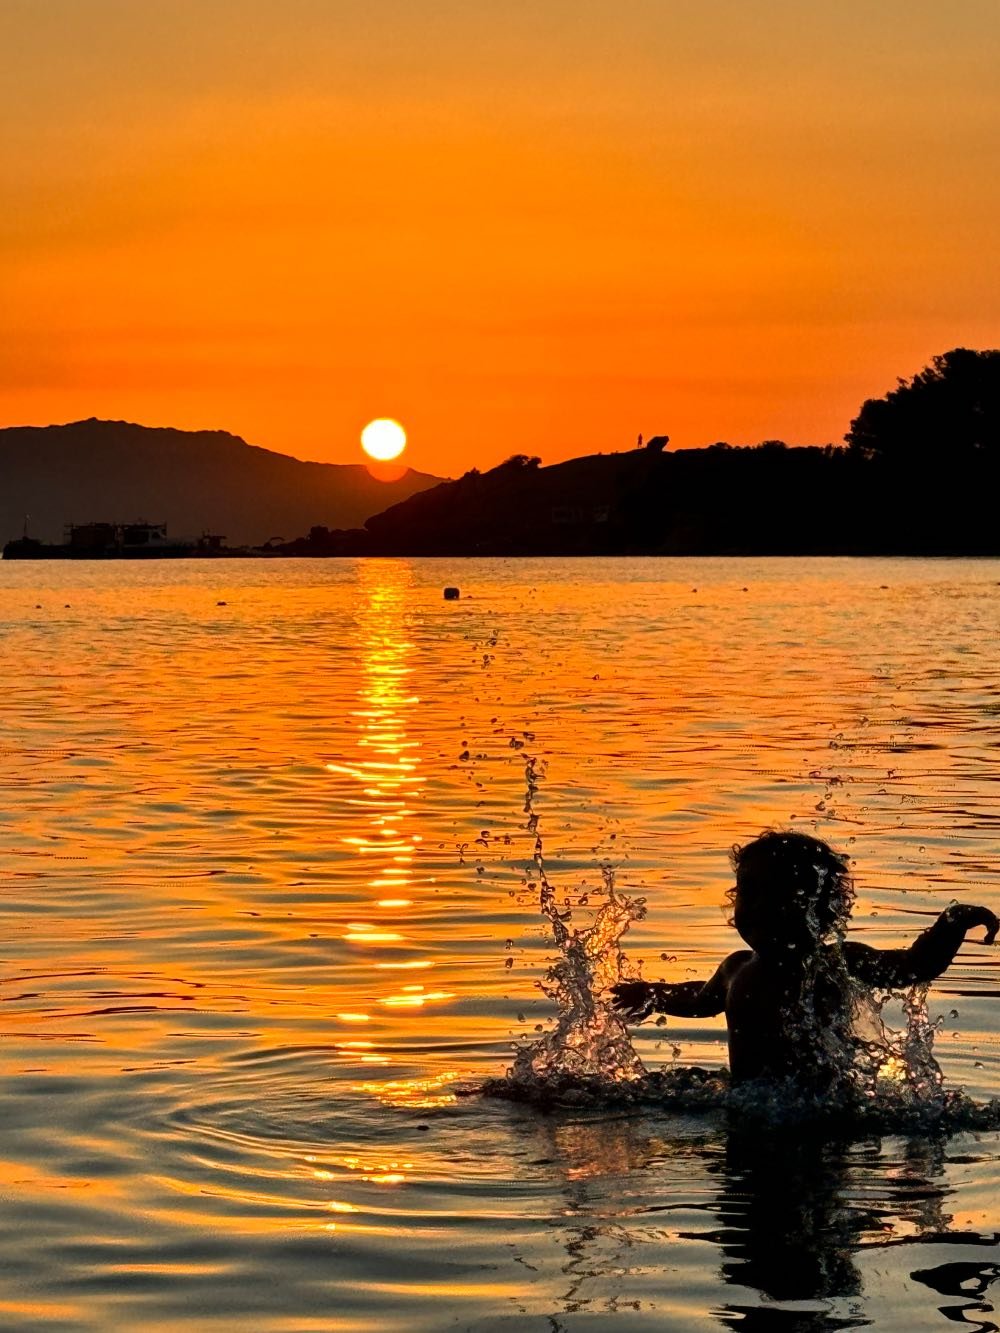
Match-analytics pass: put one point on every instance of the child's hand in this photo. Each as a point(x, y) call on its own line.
point(966, 917)
point(634, 999)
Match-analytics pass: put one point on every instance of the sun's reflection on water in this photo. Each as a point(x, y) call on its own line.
point(422, 1093)
point(389, 784)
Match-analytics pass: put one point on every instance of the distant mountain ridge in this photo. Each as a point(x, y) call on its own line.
point(195, 481)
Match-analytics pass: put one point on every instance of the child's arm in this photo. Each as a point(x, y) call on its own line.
point(928, 955)
point(684, 999)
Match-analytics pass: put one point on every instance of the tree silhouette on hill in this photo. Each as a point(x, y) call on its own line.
point(950, 410)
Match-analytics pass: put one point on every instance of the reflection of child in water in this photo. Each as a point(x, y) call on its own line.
point(792, 986)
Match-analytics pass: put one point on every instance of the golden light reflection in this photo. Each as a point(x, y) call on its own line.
point(390, 1172)
point(367, 935)
point(425, 1093)
point(385, 767)
point(416, 1000)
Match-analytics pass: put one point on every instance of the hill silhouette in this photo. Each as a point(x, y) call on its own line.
point(195, 481)
point(919, 476)
point(768, 499)
point(717, 500)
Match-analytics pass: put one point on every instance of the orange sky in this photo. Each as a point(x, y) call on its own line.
point(538, 227)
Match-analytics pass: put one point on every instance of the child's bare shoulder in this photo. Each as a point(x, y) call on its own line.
point(735, 963)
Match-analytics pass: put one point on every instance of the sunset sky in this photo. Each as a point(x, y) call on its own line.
point(539, 227)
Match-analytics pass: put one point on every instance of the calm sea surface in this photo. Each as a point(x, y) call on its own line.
point(266, 900)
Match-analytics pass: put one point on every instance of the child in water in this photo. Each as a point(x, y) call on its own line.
point(788, 999)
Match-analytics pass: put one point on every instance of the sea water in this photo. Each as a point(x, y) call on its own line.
point(275, 913)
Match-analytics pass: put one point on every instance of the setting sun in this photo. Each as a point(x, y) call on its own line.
point(383, 439)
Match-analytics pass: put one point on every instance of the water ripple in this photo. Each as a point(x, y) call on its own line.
point(270, 910)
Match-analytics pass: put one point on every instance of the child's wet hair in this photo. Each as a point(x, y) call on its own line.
point(796, 872)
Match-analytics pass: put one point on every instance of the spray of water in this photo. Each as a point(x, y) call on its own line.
point(589, 1040)
point(892, 1065)
point(845, 1049)
point(866, 1060)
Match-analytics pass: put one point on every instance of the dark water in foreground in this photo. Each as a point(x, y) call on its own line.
point(269, 899)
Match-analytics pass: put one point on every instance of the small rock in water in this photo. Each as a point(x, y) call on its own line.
point(451, 594)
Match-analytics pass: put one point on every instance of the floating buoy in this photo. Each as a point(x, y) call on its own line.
point(451, 594)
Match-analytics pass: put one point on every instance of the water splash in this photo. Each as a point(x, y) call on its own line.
point(896, 1065)
point(589, 1040)
point(880, 1079)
